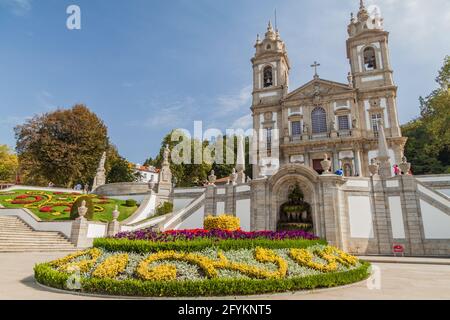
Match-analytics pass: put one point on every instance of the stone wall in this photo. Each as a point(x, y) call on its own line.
point(122, 189)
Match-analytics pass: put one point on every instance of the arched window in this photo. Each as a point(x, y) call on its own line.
point(268, 77)
point(370, 61)
point(319, 120)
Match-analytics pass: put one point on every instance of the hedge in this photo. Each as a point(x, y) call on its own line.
point(145, 246)
point(45, 275)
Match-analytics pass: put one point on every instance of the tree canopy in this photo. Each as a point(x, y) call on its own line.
point(64, 147)
point(428, 147)
point(190, 174)
point(8, 164)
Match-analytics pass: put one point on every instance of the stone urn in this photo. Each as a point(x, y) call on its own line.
point(116, 213)
point(326, 164)
point(374, 167)
point(82, 210)
point(405, 166)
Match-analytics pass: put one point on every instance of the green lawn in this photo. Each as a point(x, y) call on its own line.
point(105, 206)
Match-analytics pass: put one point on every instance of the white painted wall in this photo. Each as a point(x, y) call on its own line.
point(220, 208)
point(180, 203)
point(243, 213)
point(435, 222)
point(96, 230)
point(395, 209)
point(195, 221)
point(360, 217)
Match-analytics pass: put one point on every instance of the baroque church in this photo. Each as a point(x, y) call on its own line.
point(341, 120)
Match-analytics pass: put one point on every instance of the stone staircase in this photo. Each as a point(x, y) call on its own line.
point(17, 236)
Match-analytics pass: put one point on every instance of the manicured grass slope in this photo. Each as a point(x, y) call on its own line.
point(106, 215)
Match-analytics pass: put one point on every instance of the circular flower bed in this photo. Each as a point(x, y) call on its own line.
point(202, 263)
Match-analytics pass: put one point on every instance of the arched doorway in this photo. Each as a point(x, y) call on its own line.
point(296, 213)
point(282, 184)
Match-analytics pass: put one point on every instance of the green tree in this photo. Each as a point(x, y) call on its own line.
point(428, 147)
point(120, 171)
point(188, 175)
point(64, 146)
point(8, 164)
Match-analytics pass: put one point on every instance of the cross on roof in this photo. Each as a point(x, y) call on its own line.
point(315, 65)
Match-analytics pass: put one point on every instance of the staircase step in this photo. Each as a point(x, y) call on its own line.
point(17, 236)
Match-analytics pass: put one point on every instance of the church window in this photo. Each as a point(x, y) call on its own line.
point(343, 123)
point(376, 117)
point(268, 77)
point(319, 120)
point(370, 61)
point(268, 47)
point(269, 141)
point(296, 127)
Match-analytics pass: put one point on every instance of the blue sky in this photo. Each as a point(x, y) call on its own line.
point(148, 66)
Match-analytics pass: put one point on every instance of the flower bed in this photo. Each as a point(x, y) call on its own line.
point(202, 267)
point(148, 234)
point(57, 205)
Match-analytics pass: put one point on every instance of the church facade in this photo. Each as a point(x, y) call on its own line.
point(341, 120)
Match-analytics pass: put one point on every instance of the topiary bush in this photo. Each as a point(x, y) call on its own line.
point(164, 208)
point(89, 204)
point(223, 222)
point(130, 203)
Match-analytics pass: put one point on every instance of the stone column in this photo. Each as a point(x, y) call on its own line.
point(332, 215)
point(114, 225)
point(411, 210)
point(230, 199)
point(78, 235)
point(381, 218)
point(357, 160)
point(210, 201)
point(259, 208)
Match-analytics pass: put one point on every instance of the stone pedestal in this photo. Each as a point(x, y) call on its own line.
point(113, 228)
point(78, 235)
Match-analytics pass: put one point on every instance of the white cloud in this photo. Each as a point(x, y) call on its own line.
point(245, 122)
point(17, 7)
point(416, 24)
point(232, 103)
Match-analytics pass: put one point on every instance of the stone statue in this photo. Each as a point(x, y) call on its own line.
point(166, 154)
point(212, 178)
point(305, 128)
point(354, 123)
point(100, 176)
point(405, 166)
point(233, 177)
point(374, 167)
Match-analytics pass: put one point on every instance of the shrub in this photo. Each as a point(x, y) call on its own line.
point(89, 204)
point(145, 246)
point(130, 203)
point(223, 222)
point(164, 208)
point(45, 275)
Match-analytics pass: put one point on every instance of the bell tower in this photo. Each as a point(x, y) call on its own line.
point(368, 51)
point(270, 86)
point(270, 68)
point(372, 73)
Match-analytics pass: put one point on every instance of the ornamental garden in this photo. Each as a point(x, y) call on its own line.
point(58, 206)
point(218, 260)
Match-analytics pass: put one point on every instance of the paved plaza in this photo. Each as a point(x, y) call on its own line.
point(412, 279)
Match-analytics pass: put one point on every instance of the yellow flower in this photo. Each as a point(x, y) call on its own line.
point(111, 267)
point(223, 222)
